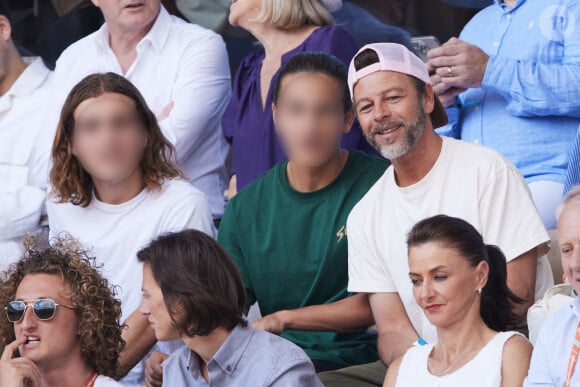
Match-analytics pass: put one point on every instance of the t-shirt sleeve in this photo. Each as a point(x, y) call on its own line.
point(539, 373)
point(228, 238)
point(190, 212)
point(366, 267)
point(509, 217)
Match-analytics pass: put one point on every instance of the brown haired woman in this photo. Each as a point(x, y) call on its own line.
point(200, 299)
point(61, 323)
point(115, 187)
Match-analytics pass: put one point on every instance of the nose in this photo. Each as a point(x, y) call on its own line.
point(29, 320)
point(144, 308)
point(426, 292)
point(382, 110)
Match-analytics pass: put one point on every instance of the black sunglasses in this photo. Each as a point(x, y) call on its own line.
point(44, 309)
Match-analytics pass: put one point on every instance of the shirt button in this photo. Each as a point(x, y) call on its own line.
point(509, 15)
point(495, 44)
point(476, 141)
point(229, 369)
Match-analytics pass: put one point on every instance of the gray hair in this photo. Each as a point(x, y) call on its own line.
point(572, 195)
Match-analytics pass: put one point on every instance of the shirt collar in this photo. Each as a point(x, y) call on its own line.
point(231, 351)
point(157, 36)
point(31, 78)
point(506, 8)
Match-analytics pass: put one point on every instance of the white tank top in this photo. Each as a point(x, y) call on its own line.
point(484, 370)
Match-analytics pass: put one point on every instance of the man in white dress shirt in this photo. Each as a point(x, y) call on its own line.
point(23, 95)
point(182, 71)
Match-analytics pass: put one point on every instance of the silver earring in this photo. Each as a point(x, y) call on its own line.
point(479, 290)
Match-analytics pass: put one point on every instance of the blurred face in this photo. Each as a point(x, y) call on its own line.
point(153, 306)
point(51, 342)
point(444, 285)
point(108, 137)
point(243, 11)
point(310, 119)
point(569, 240)
point(129, 15)
point(390, 111)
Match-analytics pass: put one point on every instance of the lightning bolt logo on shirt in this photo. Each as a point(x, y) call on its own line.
point(341, 233)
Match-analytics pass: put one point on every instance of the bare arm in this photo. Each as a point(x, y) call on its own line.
point(392, 373)
point(515, 362)
point(396, 334)
point(139, 337)
point(521, 279)
point(351, 314)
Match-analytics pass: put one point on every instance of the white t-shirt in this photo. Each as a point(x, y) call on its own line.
point(484, 370)
point(115, 233)
point(467, 181)
point(176, 62)
point(22, 108)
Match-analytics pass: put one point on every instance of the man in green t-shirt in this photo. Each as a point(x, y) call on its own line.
point(286, 231)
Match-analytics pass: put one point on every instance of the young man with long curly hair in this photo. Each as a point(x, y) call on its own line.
point(61, 323)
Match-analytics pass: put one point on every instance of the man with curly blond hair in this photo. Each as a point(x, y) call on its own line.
point(61, 324)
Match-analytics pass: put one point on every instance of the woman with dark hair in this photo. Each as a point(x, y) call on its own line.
point(200, 299)
point(61, 323)
point(460, 283)
point(115, 187)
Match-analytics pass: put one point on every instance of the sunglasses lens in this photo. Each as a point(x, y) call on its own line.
point(15, 311)
point(44, 309)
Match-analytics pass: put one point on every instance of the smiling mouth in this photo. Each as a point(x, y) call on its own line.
point(134, 5)
point(31, 339)
point(388, 130)
point(432, 307)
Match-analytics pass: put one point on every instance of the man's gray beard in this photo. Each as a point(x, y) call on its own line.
point(414, 133)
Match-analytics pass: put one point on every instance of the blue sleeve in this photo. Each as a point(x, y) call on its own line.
point(335, 41)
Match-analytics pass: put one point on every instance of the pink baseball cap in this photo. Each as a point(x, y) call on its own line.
point(396, 57)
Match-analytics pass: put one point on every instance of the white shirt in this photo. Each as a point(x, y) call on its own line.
point(115, 233)
point(467, 181)
point(176, 61)
point(22, 108)
point(484, 370)
point(551, 354)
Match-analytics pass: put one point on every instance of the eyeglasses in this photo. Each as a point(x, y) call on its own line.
point(44, 309)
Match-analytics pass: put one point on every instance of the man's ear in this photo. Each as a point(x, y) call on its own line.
point(349, 118)
point(95, 2)
point(5, 29)
point(429, 99)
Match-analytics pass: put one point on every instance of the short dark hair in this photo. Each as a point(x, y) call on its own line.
point(316, 63)
point(199, 281)
point(497, 299)
point(369, 57)
point(5, 10)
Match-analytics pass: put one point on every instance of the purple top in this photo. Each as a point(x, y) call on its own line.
point(250, 129)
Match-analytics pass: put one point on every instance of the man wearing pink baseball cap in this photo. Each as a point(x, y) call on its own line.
point(430, 175)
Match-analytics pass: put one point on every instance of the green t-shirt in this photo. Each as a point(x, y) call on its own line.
point(291, 249)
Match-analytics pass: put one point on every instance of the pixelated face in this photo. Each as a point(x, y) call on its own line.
point(108, 137)
point(309, 117)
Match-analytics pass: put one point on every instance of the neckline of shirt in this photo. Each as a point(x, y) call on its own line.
point(424, 184)
point(30, 80)
point(315, 196)
point(115, 208)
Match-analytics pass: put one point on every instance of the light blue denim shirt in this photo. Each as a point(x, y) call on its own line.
point(528, 106)
point(552, 351)
point(248, 357)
